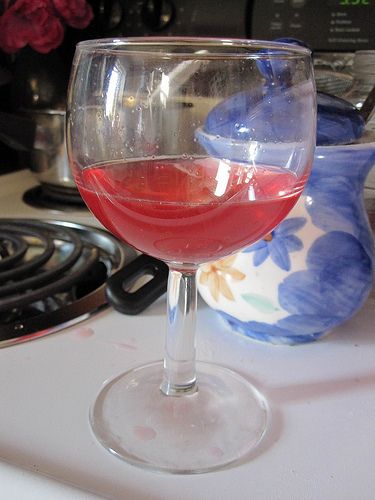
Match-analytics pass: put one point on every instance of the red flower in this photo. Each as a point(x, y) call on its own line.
point(76, 14)
point(40, 23)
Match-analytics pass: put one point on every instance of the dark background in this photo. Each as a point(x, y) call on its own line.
point(32, 80)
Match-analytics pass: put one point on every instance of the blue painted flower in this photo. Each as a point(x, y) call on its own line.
point(334, 286)
point(337, 279)
point(334, 191)
point(279, 243)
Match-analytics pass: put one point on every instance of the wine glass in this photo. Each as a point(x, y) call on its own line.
point(187, 149)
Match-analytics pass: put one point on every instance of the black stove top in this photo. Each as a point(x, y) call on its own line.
point(52, 274)
point(54, 198)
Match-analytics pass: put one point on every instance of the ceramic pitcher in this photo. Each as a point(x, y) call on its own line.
point(315, 270)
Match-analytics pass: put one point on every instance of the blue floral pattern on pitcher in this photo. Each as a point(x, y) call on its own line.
point(279, 243)
point(320, 259)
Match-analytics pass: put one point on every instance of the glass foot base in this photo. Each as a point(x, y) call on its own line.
point(214, 427)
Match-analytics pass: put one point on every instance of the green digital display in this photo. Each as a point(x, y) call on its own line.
point(346, 3)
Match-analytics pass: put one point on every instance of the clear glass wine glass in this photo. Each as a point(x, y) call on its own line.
point(188, 150)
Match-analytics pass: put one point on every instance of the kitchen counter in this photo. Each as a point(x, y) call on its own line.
point(320, 444)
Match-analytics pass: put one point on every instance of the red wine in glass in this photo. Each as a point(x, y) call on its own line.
point(189, 210)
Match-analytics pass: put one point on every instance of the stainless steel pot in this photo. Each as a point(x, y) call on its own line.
point(48, 158)
point(40, 133)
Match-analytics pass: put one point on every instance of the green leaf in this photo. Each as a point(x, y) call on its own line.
point(259, 302)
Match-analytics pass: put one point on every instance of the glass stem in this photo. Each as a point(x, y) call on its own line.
point(179, 377)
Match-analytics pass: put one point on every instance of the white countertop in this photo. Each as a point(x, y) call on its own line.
point(321, 443)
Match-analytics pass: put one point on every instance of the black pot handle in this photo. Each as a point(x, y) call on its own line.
point(136, 302)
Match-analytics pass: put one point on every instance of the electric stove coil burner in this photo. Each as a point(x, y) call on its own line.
point(52, 275)
point(54, 198)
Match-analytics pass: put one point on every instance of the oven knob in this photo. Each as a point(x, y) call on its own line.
point(157, 14)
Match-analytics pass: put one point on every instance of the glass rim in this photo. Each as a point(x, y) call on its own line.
point(251, 48)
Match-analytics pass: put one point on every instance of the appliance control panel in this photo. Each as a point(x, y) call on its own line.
point(325, 25)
